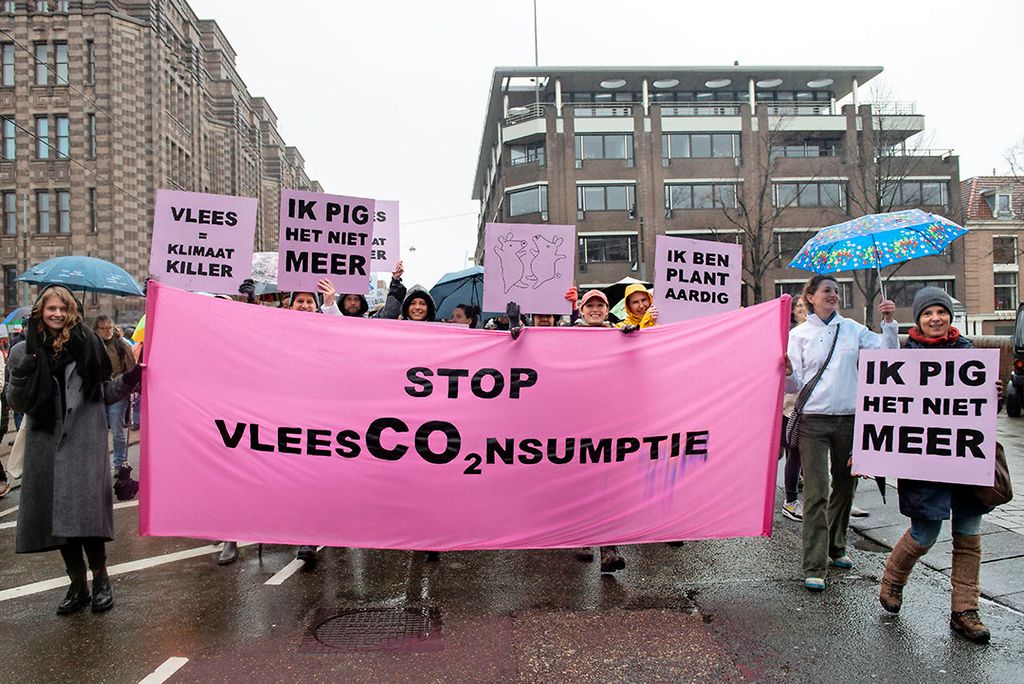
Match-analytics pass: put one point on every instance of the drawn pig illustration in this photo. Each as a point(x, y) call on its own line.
point(510, 254)
point(544, 262)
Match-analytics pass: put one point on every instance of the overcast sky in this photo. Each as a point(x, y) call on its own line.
point(386, 99)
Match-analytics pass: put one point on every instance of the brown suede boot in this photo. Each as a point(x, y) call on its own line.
point(964, 617)
point(897, 570)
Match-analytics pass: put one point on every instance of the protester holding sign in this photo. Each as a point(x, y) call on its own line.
point(927, 504)
point(60, 378)
point(792, 507)
point(822, 366)
point(419, 306)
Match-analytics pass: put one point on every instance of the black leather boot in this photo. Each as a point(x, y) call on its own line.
point(77, 597)
point(102, 596)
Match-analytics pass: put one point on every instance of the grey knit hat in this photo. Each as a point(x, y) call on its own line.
point(931, 296)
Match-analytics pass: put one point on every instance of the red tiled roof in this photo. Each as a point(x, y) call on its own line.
point(972, 201)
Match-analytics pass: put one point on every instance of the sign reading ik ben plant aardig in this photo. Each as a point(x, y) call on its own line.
point(694, 278)
point(324, 237)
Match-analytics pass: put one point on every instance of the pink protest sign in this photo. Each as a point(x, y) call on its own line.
point(530, 264)
point(387, 247)
point(694, 278)
point(324, 237)
point(927, 415)
point(442, 437)
point(202, 242)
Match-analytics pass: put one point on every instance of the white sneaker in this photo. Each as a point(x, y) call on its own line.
point(794, 510)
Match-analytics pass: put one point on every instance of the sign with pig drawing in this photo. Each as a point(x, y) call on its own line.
point(529, 264)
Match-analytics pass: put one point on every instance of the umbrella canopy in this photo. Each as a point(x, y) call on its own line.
point(616, 292)
point(88, 274)
point(458, 287)
point(17, 316)
point(264, 272)
point(876, 241)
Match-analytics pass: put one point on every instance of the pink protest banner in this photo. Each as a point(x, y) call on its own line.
point(202, 242)
point(441, 437)
point(387, 246)
point(694, 278)
point(324, 236)
point(530, 264)
point(927, 415)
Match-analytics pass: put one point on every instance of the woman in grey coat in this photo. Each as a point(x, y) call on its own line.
point(60, 378)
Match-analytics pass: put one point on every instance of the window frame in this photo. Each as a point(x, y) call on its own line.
point(63, 138)
point(668, 151)
point(10, 209)
point(1011, 288)
point(42, 63)
point(583, 188)
point(803, 190)
point(42, 137)
point(585, 248)
point(61, 67)
point(7, 125)
point(582, 138)
point(542, 199)
point(9, 74)
point(43, 212)
point(715, 189)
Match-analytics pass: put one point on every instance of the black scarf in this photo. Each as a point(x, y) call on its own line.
point(84, 348)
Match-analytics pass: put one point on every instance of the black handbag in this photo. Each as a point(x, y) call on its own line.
point(793, 426)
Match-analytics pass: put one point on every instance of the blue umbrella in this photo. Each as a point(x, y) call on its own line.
point(17, 316)
point(88, 274)
point(458, 287)
point(876, 241)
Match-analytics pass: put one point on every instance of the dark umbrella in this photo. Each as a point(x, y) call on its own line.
point(87, 274)
point(458, 287)
point(616, 291)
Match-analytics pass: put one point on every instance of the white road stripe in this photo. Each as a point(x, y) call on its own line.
point(8, 511)
point(14, 523)
point(119, 569)
point(164, 672)
point(287, 571)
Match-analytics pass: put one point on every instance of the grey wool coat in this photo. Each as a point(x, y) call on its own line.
point(66, 486)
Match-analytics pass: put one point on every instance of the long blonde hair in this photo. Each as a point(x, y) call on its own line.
point(72, 318)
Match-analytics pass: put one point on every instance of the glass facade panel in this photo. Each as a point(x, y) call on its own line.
point(593, 198)
point(42, 212)
point(529, 201)
point(1005, 291)
point(700, 146)
point(1004, 250)
point(721, 146)
point(42, 53)
point(607, 248)
point(10, 213)
point(42, 137)
point(8, 64)
point(63, 211)
point(60, 51)
point(63, 142)
point(9, 138)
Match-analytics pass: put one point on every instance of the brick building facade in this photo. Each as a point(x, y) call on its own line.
point(103, 102)
point(763, 156)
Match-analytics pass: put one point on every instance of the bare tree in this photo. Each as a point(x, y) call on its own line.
point(1015, 160)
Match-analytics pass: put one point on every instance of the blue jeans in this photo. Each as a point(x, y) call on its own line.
point(136, 409)
point(925, 532)
point(17, 420)
point(115, 421)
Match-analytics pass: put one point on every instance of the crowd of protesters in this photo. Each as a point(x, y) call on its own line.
point(72, 384)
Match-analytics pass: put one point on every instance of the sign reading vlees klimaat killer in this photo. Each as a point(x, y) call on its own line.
point(324, 237)
point(386, 246)
point(529, 264)
point(202, 242)
point(694, 278)
point(927, 415)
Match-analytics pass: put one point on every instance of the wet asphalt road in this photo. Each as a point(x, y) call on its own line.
point(729, 611)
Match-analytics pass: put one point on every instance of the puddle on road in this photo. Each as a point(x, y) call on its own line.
point(864, 544)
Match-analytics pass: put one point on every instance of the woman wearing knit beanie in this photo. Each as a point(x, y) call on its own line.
point(927, 504)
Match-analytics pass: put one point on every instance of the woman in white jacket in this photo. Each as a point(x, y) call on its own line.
point(826, 424)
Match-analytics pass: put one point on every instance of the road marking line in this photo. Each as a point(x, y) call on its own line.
point(119, 569)
point(164, 672)
point(287, 571)
point(14, 523)
point(8, 511)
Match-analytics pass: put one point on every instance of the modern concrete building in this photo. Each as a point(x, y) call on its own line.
point(104, 101)
point(994, 214)
point(764, 156)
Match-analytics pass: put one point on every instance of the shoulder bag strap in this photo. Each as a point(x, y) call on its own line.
point(805, 393)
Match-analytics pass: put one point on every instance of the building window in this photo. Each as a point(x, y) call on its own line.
point(42, 211)
point(902, 291)
point(93, 211)
point(700, 145)
point(8, 65)
point(529, 201)
point(60, 53)
point(10, 213)
point(9, 138)
point(10, 287)
point(594, 249)
point(63, 211)
point(1005, 291)
point(1004, 250)
point(63, 6)
point(915, 194)
point(1002, 206)
point(787, 244)
point(605, 198)
point(808, 195)
point(795, 288)
point(598, 146)
point(43, 6)
point(90, 145)
point(700, 196)
point(90, 61)
point(42, 137)
point(10, 6)
point(42, 51)
point(63, 138)
point(526, 154)
point(810, 147)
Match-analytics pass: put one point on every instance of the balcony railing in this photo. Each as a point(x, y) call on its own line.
point(800, 109)
point(905, 151)
point(700, 109)
point(602, 109)
point(527, 112)
point(894, 108)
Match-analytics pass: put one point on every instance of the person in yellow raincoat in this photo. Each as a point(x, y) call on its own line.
point(640, 309)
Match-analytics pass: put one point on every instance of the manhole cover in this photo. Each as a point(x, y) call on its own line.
point(411, 629)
